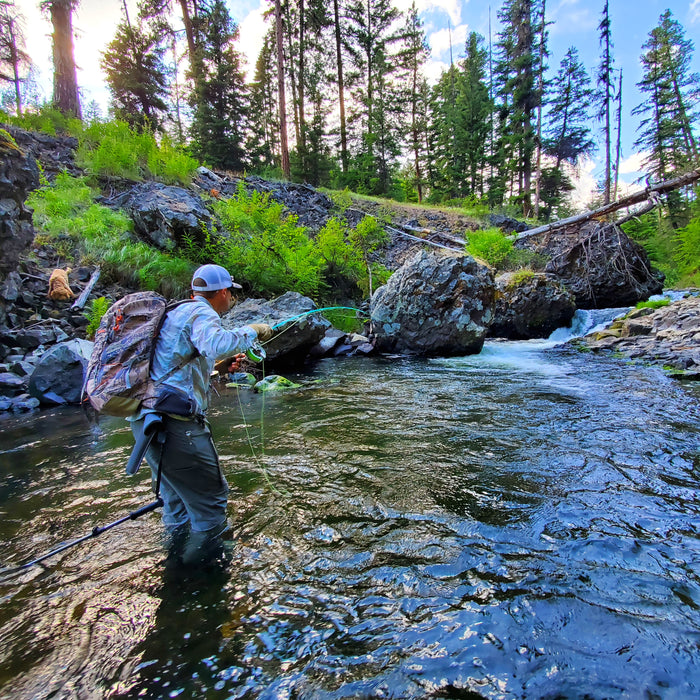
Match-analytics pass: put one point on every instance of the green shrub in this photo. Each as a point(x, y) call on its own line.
point(688, 253)
point(47, 120)
point(94, 315)
point(264, 246)
point(114, 149)
point(656, 304)
point(490, 245)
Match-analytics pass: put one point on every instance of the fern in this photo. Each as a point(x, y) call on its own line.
point(97, 310)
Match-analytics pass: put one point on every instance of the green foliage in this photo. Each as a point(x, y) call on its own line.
point(520, 277)
point(94, 315)
point(490, 245)
point(657, 237)
point(47, 120)
point(657, 304)
point(345, 320)
point(114, 149)
point(341, 199)
point(264, 247)
point(79, 229)
point(688, 253)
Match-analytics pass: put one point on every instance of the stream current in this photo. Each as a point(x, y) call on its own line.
point(523, 523)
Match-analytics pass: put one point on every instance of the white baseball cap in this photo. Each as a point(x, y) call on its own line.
point(215, 277)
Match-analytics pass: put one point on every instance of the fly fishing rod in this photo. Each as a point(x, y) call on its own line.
point(97, 530)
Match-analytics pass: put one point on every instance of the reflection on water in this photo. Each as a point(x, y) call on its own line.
point(519, 524)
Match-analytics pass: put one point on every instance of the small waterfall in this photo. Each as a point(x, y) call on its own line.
point(587, 321)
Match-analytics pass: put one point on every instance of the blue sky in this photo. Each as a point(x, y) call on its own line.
point(575, 23)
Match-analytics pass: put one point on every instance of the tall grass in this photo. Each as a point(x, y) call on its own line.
point(85, 232)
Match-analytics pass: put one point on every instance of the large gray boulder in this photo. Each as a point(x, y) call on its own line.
point(164, 215)
point(293, 340)
point(530, 306)
point(60, 373)
point(437, 303)
point(598, 263)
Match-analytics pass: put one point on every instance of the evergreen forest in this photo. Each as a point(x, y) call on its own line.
point(339, 99)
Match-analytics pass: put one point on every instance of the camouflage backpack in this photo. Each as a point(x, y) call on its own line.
point(117, 381)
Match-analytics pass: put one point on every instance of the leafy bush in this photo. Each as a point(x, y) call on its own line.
point(490, 245)
point(656, 304)
point(114, 149)
point(688, 253)
point(94, 315)
point(264, 246)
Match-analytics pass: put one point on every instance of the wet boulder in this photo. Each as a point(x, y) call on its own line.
point(437, 303)
point(598, 263)
point(164, 215)
point(293, 340)
point(60, 373)
point(530, 305)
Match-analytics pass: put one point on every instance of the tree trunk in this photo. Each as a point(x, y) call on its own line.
point(284, 147)
point(341, 89)
point(65, 80)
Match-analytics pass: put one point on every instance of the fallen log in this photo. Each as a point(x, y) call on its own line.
point(79, 303)
point(651, 192)
point(396, 231)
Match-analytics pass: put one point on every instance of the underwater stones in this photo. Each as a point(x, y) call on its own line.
point(438, 303)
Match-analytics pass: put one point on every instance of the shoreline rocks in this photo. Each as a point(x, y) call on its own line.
point(669, 336)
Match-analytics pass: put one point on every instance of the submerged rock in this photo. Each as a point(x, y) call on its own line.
point(438, 303)
point(275, 382)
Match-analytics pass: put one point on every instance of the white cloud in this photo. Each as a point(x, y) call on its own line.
point(694, 11)
point(440, 41)
point(252, 32)
point(634, 164)
point(453, 8)
point(572, 17)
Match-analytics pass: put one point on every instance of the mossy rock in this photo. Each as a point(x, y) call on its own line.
point(240, 380)
point(275, 382)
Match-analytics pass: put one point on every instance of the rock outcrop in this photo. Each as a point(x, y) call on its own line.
point(669, 336)
point(165, 215)
point(19, 175)
point(293, 340)
point(598, 263)
point(438, 303)
point(530, 306)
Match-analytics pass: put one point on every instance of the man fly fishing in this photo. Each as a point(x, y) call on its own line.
point(184, 462)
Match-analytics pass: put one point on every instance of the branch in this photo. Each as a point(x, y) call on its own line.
point(80, 301)
point(651, 192)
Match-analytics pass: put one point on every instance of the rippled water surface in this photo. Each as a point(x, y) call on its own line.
point(519, 524)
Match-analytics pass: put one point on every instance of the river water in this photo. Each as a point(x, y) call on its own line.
point(519, 524)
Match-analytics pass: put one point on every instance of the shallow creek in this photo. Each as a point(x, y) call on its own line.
point(524, 523)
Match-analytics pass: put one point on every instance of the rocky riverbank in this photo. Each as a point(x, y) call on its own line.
point(668, 336)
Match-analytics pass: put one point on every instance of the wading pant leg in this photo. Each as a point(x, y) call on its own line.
point(191, 474)
point(174, 512)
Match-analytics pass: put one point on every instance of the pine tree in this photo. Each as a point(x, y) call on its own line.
point(518, 100)
point(66, 97)
point(673, 92)
point(220, 106)
point(136, 75)
point(413, 54)
point(475, 108)
point(567, 133)
point(377, 116)
point(14, 60)
point(263, 140)
point(605, 95)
